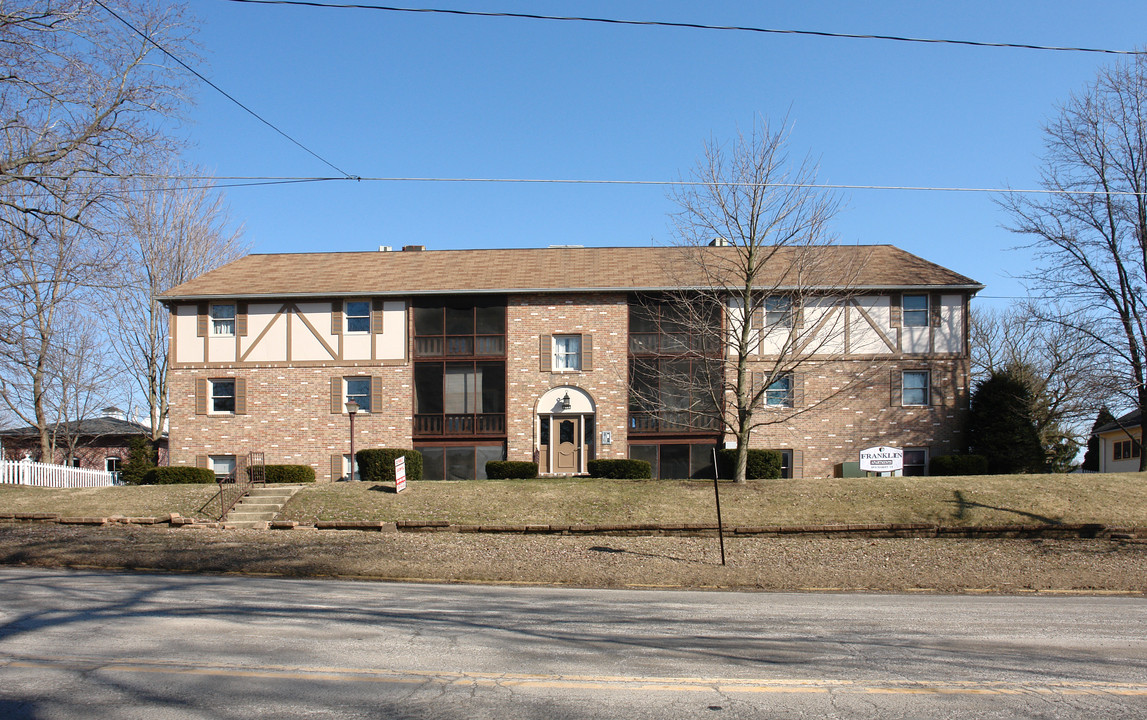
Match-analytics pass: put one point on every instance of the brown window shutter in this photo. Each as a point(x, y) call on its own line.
point(798, 464)
point(586, 353)
point(798, 312)
point(896, 397)
point(798, 389)
point(201, 320)
point(240, 396)
point(201, 461)
point(336, 317)
point(375, 394)
point(337, 396)
point(241, 468)
point(895, 309)
point(376, 316)
point(756, 314)
point(201, 396)
point(935, 388)
point(934, 309)
point(545, 353)
point(241, 319)
point(336, 467)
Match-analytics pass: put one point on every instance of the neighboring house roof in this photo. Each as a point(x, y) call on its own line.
point(557, 269)
point(1130, 421)
point(94, 427)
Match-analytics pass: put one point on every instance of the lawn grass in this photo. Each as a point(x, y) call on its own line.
point(1118, 500)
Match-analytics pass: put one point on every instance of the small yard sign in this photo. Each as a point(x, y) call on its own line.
point(400, 473)
point(882, 459)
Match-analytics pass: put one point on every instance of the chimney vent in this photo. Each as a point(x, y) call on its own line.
point(413, 248)
point(384, 248)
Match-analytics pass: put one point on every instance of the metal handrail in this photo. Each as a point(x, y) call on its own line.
point(254, 472)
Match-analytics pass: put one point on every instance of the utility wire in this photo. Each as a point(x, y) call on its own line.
point(257, 180)
point(225, 94)
point(693, 26)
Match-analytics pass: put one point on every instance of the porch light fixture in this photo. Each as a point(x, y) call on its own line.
point(351, 410)
point(566, 404)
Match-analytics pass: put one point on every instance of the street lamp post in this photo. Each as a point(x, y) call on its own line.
point(351, 410)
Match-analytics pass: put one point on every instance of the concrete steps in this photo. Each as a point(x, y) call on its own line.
point(259, 507)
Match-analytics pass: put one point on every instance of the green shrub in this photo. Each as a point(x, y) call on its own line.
point(952, 465)
point(178, 475)
point(620, 469)
point(290, 473)
point(141, 457)
point(511, 470)
point(377, 465)
point(760, 465)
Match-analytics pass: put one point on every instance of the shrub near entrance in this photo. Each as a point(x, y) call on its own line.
point(511, 470)
point(620, 469)
point(378, 465)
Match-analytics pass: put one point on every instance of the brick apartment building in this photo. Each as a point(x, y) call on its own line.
point(536, 354)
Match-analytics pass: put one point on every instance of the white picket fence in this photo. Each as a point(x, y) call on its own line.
point(26, 472)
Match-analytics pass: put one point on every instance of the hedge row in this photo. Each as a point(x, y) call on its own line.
point(620, 469)
point(178, 475)
point(290, 473)
point(511, 470)
point(958, 465)
point(761, 465)
point(377, 465)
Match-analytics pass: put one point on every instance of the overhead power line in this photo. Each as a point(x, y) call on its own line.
point(692, 26)
point(256, 180)
point(224, 93)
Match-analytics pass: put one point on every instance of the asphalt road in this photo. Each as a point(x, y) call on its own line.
point(87, 644)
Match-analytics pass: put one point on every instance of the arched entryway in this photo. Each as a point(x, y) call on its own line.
point(565, 429)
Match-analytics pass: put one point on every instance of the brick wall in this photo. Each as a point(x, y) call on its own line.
point(289, 416)
point(605, 316)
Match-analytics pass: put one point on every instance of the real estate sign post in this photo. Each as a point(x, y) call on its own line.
point(400, 473)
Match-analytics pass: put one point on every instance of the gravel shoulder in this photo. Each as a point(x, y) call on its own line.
point(766, 564)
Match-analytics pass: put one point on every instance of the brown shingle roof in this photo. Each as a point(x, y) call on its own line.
point(522, 270)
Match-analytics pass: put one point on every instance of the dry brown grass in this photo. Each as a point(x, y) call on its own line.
point(1114, 499)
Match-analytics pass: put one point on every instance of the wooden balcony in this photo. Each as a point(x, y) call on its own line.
point(460, 424)
point(460, 346)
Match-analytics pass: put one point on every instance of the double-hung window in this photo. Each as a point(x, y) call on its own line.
point(223, 466)
point(914, 387)
point(567, 353)
point(223, 320)
point(779, 393)
point(222, 396)
point(778, 312)
point(358, 389)
point(358, 316)
point(915, 461)
point(915, 310)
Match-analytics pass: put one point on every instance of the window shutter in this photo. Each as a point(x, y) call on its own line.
point(798, 464)
point(895, 310)
point(798, 312)
point(240, 396)
point(241, 468)
point(798, 389)
point(201, 320)
point(545, 353)
point(336, 317)
point(336, 395)
point(241, 319)
point(336, 467)
point(757, 315)
point(201, 396)
point(376, 316)
point(201, 461)
point(896, 398)
point(375, 394)
point(934, 309)
point(586, 353)
point(936, 389)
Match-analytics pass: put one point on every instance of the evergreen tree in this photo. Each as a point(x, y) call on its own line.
point(1001, 426)
point(1091, 457)
point(142, 456)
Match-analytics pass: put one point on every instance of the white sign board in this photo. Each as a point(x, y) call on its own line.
point(400, 473)
point(882, 459)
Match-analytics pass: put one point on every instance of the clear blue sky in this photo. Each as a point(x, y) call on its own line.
point(382, 94)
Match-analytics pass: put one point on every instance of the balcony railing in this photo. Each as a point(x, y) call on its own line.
point(460, 424)
point(672, 422)
point(460, 346)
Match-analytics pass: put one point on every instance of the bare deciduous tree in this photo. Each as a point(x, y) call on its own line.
point(755, 241)
point(1059, 363)
point(1090, 233)
point(169, 235)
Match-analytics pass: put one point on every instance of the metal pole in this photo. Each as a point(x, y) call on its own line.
point(717, 495)
point(352, 445)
